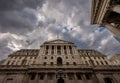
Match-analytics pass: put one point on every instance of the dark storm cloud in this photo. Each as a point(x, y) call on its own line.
point(18, 15)
point(8, 5)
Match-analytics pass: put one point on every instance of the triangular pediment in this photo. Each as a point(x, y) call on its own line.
point(58, 41)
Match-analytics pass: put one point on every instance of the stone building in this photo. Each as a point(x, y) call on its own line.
point(107, 13)
point(58, 61)
point(115, 59)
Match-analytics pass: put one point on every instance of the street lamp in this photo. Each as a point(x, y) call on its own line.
point(60, 74)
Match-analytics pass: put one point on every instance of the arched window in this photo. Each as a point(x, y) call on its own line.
point(108, 80)
point(59, 61)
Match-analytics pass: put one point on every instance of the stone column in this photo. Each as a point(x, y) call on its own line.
point(66, 79)
point(46, 78)
point(62, 50)
point(44, 49)
point(100, 78)
point(55, 49)
point(49, 50)
point(73, 51)
point(114, 30)
point(75, 78)
point(36, 78)
point(68, 50)
point(116, 9)
point(54, 78)
point(84, 78)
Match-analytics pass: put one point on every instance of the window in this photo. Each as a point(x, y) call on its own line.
point(23, 62)
point(51, 57)
point(97, 62)
point(73, 57)
point(70, 76)
point(13, 63)
point(50, 76)
point(67, 63)
point(47, 47)
point(8, 62)
point(65, 50)
point(79, 77)
point(32, 76)
point(88, 76)
point(86, 62)
point(42, 76)
point(45, 57)
point(52, 50)
point(51, 63)
point(74, 63)
point(35, 57)
point(70, 50)
point(102, 63)
point(66, 57)
point(59, 50)
point(44, 63)
point(106, 62)
point(52, 47)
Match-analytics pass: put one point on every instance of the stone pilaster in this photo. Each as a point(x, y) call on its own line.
point(36, 78)
point(49, 50)
point(75, 78)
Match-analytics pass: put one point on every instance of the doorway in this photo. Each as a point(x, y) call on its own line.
point(60, 80)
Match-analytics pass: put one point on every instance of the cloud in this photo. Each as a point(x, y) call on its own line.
point(28, 23)
point(18, 16)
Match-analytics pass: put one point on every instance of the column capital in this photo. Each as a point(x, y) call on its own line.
point(116, 8)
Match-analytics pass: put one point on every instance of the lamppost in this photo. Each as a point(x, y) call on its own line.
point(60, 74)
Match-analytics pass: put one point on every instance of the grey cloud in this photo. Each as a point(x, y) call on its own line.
point(42, 20)
point(18, 16)
point(6, 5)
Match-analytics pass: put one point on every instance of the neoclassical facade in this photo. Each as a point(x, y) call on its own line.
point(58, 61)
point(107, 13)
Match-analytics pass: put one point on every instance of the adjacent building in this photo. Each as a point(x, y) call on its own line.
point(58, 61)
point(106, 13)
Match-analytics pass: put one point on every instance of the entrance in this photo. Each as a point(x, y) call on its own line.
point(60, 80)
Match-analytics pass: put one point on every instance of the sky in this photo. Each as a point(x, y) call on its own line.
point(26, 24)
